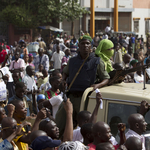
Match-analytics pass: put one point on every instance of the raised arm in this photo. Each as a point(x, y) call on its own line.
point(68, 133)
point(93, 118)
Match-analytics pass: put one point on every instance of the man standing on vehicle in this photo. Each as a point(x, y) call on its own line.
point(83, 71)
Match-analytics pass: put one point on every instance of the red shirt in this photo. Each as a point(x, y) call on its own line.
point(93, 147)
point(2, 55)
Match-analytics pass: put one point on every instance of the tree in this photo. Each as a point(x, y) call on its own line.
point(33, 13)
point(71, 10)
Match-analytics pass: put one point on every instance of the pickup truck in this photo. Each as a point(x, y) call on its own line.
point(119, 101)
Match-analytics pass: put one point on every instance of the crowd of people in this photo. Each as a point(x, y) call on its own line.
point(41, 95)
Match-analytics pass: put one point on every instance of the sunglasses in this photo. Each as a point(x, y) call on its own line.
point(14, 127)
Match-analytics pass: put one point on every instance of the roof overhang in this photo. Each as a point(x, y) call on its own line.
point(112, 9)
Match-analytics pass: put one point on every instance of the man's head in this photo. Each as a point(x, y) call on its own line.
point(56, 73)
point(83, 117)
point(114, 124)
point(17, 55)
point(20, 110)
point(105, 146)
point(20, 89)
point(85, 45)
point(41, 51)
point(45, 73)
point(126, 58)
point(133, 143)
point(86, 131)
point(67, 52)
point(136, 56)
point(9, 125)
point(133, 63)
point(117, 47)
point(16, 76)
point(41, 67)
point(137, 123)
point(101, 132)
point(50, 127)
point(2, 114)
point(117, 66)
point(139, 72)
point(55, 82)
point(30, 70)
point(40, 140)
point(30, 58)
point(26, 58)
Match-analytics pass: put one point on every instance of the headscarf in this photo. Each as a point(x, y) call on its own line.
point(133, 62)
point(105, 54)
point(30, 55)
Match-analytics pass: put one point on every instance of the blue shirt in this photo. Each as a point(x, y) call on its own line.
point(133, 40)
point(5, 145)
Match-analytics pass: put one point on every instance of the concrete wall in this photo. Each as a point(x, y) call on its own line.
point(141, 3)
point(108, 3)
point(142, 14)
point(67, 27)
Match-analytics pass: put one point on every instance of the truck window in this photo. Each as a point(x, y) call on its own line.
point(118, 113)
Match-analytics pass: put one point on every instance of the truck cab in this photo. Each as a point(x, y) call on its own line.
point(119, 101)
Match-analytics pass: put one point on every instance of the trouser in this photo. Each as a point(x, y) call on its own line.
point(61, 113)
point(133, 46)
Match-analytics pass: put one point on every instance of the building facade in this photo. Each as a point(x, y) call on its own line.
point(133, 16)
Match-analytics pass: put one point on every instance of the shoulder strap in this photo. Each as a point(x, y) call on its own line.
point(77, 73)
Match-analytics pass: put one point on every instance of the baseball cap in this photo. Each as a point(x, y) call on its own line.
point(40, 96)
point(43, 142)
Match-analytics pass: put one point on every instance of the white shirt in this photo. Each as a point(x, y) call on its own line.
point(30, 83)
point(77, 136)
point(57, 58)
point(148, 71)
point(55, 102)
point(107, 29)
point(131, 133)
point(138, 79)
point(113, 141)
point(105, 36)
point(5, 71)
point(127, 40)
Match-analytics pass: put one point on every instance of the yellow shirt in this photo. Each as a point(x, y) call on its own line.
point(21, 145)
point(42, 81)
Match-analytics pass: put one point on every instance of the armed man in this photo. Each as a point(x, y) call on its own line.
point(82, 71)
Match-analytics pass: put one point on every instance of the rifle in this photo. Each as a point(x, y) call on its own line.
point(122, 73)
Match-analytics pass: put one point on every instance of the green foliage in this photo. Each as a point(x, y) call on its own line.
point(33, 13)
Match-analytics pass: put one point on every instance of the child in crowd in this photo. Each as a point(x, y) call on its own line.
point(65, 59)
point(44, 79)
point(31, 60)
point(118, 55)
point(39, 74)
point(55, 82)
point(20, 90)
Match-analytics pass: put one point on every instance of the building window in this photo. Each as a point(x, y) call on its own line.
point(147, 25)
point(136, 26)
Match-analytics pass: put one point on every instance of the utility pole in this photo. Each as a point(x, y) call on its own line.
point(92, 18)
point(116, 15)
